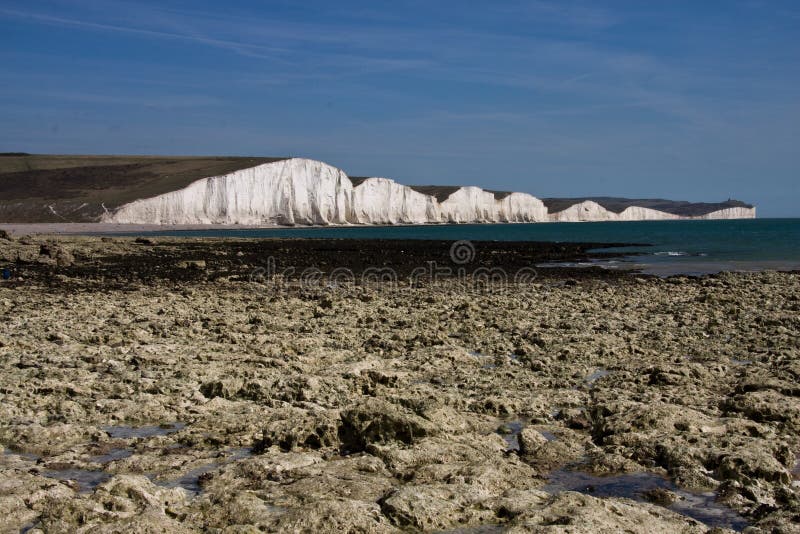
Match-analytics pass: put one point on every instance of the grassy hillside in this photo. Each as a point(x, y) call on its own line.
point(441, 192)
point(77, 187)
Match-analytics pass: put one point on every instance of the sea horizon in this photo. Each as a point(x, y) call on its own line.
point(665, 248)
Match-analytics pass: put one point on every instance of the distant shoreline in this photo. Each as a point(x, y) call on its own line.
point(111, 228)
point(683, 247)
point(69, 228)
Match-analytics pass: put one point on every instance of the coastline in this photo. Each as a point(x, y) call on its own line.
point(97, 228)
point(664, 248)
point(130, 259)
point(19, 229)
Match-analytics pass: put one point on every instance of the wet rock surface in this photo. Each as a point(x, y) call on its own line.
point(113, 261)
point(229, 405)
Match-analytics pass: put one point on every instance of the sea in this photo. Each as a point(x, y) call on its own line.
point(663, 248)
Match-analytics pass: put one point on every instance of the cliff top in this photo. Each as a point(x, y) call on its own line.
point(440, 192)
point(29, 181)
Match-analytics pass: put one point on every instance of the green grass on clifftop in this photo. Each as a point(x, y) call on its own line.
point(77, 187)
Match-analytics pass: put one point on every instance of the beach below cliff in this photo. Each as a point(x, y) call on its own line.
point(95, 228)
point(166, 384)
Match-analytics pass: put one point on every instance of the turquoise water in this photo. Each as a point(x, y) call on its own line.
point(674, 247)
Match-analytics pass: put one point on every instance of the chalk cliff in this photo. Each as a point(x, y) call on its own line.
point(730, 213)
point(293, 191)
point(307, 192)
point(521, 207)
point(384, 201)
point(624, 209)
point(582, 212)
point(475, 205)
point(470, 205)
point(589, 211)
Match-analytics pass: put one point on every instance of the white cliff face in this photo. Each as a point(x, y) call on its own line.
point(307, 192)
point(583, 212)
point(521, 207)
point(637, 213)
point(301, 191)
point(470, 205)
point(294, 191)
point(730, 213)
point(384, 201)
point(588, 211)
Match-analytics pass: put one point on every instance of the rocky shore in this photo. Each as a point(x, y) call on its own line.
point(198, 385)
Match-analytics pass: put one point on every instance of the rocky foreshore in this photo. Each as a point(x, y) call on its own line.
point(191, 388)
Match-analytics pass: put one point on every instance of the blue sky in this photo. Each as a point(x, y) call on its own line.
point(678, 99)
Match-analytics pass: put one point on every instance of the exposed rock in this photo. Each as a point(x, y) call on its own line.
point(578, 513)
point(347, 420)
point(376, 422)
point(661, 496)
point(294, 428)
point(123, 504)
point(227, 388)
point(530, 440)
point(336, 516)
point(193, 264)
point(434, 507)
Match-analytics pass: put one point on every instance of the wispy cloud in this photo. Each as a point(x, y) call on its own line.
point(591, 73)
point(564, 13)
point(279, 42)
point(163, 102)
point(243, 48)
